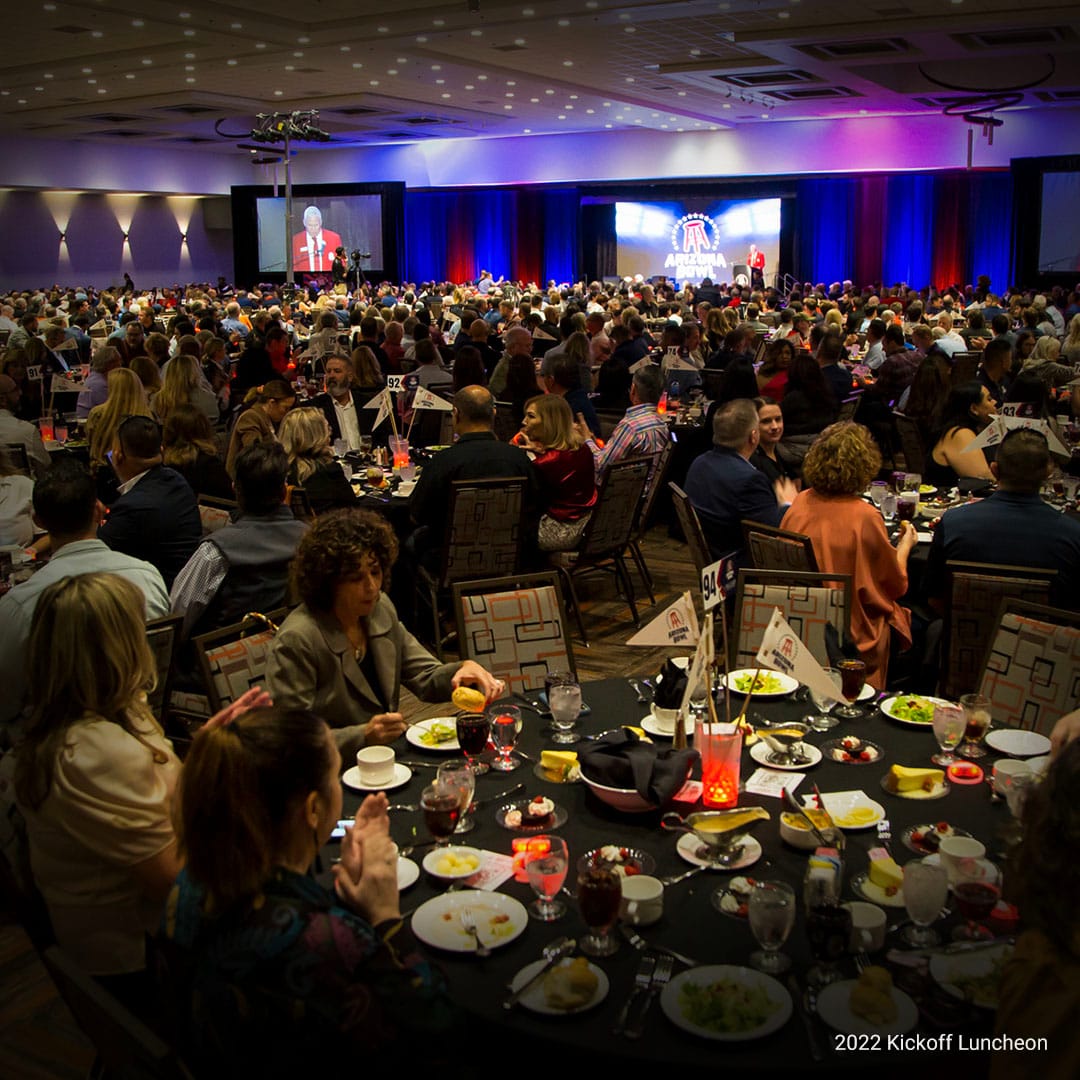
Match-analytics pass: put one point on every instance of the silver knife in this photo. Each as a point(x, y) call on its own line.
point(809, 1022)
point(499, 798)
point(568, 946)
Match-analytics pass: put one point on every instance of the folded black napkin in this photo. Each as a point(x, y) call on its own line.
point(620, 759)
point(670, 686)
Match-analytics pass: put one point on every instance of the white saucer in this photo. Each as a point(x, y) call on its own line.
point(407, 873)
point(835, 1009)
point(688, 846)
point(988, 868)
point(761, 750)
point(649, 724)
point(865, 889)
point(402, 775)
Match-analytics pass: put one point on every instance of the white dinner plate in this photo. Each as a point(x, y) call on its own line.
point(888, 707)
point(1018, 743)
point(834, 1007)
point(689, 848)
point(534, 999)
point(402, 775)
point(407, 873)
point(963, 974)
point(499, 920)
point(850, 810)
point(761, 750)
point(674, 1007)
point(414, 732)
point(787, 683)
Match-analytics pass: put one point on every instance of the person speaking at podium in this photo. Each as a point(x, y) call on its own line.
point(313, 249)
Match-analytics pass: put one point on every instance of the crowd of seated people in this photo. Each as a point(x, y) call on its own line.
point(206, 391)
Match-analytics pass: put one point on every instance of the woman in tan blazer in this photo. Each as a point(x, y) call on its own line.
point(343, 654)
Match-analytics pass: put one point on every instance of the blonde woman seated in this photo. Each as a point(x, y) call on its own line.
point(126, 398)
point(1045, 359)
point(305, 435)
point(183, 384)
point(264, 408)
point(565, 471)
point(849, 538)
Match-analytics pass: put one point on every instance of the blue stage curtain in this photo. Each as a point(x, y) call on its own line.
point(921, 228)
point(520, 233)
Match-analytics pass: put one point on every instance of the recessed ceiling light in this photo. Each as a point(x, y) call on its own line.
point(440, 82)
point(527, 11)
point(260, 44)
point(279, 93)
point(184, 14)
point(568, 63)
point(438, 22)
point(138, 22)
point(303, 40)
point(88, 71)
point(535, 100)
point(656, 115)
point(391, 71)
point(862, 112)
point(191, 67)
point(22, 101)
point(92, 82)
point(682, 93)
point(383, 29)
point(527, 131)
point(421, 39)
point(630, 78)
point(189, 56)
point(607, 104)
point(357, 64)
point(562, 116)
point(444, 95)
point(236, 26)
point(549, 91)
point(477, 33)
point(607, 125)
point(401, 60)
point(189, 33)
point(519, 41)
point(130, 75)
point(568, 106)
point(47, 75)
point(664, 126)
point(298, 53)
point(573, 97)
point(39, 88)
point(373, 82)
point(49, 7)
point(783, 14)
point(509, 93)
point(469, 86)
point(147, 62)
point(436, 67)
point(190, 79)
point(695, 52)
point(619, 117)
point(590, 111)
point(102, 90)
point(511, 82)
point(764, 116)
point(344, 48)
point(624, 16)
point(482, 78)
point(288, 67)
point(630, 29)
point(727, 104)
point(5, 93)
point(231, 63)
point(564, 22)
point(508, 106)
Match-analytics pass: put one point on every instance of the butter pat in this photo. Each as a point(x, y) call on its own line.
point(884, 872)
point(904, 779)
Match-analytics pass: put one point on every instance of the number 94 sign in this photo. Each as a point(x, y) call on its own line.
point(717, 580)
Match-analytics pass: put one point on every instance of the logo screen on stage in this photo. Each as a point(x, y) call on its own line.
point(692, 240)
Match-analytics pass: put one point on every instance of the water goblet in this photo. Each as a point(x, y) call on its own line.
point(926, 885)
point(825, 705)
point(564, 700)
point(599, 896)
point(457, 773)
point(888, 507)
point(546, 863)
point(878, 490)
point(912, 481)
point(340, 448)
point(771, 912)
point(505, 726)
point(852, 680)
point(977, 713)
point(441, 804)
point(365, 446)
point(473, 729)
point(949, 726)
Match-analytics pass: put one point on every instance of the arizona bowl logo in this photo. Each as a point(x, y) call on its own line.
point(694, 234)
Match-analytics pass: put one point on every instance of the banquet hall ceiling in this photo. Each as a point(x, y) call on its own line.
point(162, 74)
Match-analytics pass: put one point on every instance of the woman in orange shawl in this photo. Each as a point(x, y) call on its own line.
point(849, 538)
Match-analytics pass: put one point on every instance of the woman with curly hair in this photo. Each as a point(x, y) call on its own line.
point(343, 654)
point(849, 538)
point(1040, 983)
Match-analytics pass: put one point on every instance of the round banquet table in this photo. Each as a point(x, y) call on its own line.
point(689, 923)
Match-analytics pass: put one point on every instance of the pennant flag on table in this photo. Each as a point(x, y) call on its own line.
point(60, 384)
point(384, 403)
point(676, 625)
point(700, 665)
point(677, 363)
point(1001, 425)
point(781, 650)
point(425, 399)
point(645, 361)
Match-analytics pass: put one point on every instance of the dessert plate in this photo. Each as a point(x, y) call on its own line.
point(834, 1007)
point(535, 1001)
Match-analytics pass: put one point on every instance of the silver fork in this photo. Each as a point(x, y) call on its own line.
point(661, 975)
point(468, 924)
point(641, 945)
point(641, 698)
point(642, 979)
point(862, 961)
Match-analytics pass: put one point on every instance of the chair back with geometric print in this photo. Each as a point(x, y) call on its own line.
point(809, 602)
point(233, 659)
point(484, 531)
point(691, 527)
point(163, 636)
point(215, 513)
point(975, 592)
point(515, 627)
point(616, 510)
point(1032, 670)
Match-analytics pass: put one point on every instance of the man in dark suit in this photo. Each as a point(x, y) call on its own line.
point(724, 488)
point(343, 404)
point(837, 376)
point(156, 517)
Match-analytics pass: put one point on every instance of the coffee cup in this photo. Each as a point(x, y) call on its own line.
point(867, 927)
point(642, 900)
point(376, 765)
point(664, 718)
point(1005, 771)
point(959, 854)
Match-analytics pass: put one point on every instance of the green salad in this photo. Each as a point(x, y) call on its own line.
point(918, 710)
point(434, 734)
point(726, 1006)
point(763, 684)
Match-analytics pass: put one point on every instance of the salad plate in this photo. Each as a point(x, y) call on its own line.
point(973, 976)
point(498, 918)
point(1018, 743)
point(726, 1003)
point(438, 734)
point(915, 710)
point(770, 684)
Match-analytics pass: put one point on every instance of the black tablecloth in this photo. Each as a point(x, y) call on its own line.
point(689, 924)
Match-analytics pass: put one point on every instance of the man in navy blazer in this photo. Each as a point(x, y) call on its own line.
point(156, 517)
point(724, 488)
